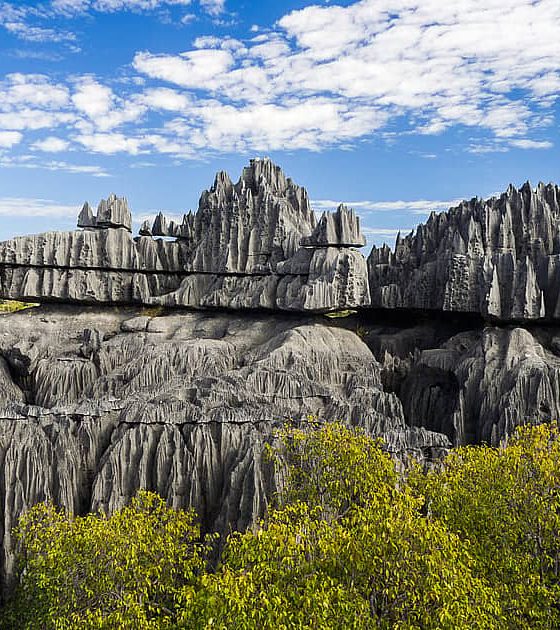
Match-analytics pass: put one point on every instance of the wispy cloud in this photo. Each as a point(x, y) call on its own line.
point(26, 207)
point(420, 206)
point(32, 162)
point(213, 7)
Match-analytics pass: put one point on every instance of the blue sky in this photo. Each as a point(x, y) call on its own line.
point(396, 107)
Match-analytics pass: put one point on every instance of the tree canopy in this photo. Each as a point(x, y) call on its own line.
point(352, 542)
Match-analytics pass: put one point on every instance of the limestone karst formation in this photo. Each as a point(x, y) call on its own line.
point(499, 258)
point(98, 402)
point(253, 244)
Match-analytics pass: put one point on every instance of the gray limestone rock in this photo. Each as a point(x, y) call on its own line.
point(498, 257)
point(97, 403)
point(114, 213)
point(241, 250)
point(473, 385)
point(339, 229)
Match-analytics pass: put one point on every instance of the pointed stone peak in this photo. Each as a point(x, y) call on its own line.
point(264, 173)
point(222, 181)
point(112, 212)
point(336, 229)
point(86, 218)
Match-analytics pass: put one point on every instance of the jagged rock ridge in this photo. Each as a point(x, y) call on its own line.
point(499, 258)
point(241, 249)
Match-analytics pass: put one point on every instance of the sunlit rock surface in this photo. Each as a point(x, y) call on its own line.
point(499, 258)
point(255, 244)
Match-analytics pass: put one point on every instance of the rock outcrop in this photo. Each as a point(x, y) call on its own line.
point(111, 213)
point(240, 250)
point(97, 403)
point(499, 258)
point(475, 385)
point(339, 229)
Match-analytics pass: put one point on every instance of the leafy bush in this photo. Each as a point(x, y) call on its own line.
point(129, 570)
point(350, 544)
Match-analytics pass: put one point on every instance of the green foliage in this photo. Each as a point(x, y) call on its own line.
point(12, 306)
point(506, 503)
point(348, 548)
point(125, 571)
point(352, 543)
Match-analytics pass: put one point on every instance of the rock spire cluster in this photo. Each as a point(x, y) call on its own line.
point(255, 244)
point(499, 258)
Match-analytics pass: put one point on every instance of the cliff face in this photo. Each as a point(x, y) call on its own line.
point(499, 258)
point(97, 403)
point(255, 244)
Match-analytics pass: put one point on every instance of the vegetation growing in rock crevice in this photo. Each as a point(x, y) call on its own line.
point(351, 544)
point(13, 306)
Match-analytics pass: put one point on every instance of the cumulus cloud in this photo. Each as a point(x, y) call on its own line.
point(322, 76)
point(439, 65)
point(51, 145)
point(195, 69)
point(8, 139)
point(532, 144)
point(92, 98)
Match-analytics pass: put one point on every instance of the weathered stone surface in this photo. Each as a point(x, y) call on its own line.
point(334, 279)
point(241, 249)
point(338, 229)
point(499, 258)
point(473, 385)
point(97, 403)
point(111, 213)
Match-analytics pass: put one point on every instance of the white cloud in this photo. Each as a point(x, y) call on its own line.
point(213, 7)
point(166, 99)
point(525, 143)
point(194, 69)
point(26, 118)
point(109, 143)
point(31, 90)
point(92, 98)
point(322, 76)
point(51, 145)
point(440, 65)
point(420, 206)
point(31, 162)
point(8, 139)
point(110, 6)
point(28, 207)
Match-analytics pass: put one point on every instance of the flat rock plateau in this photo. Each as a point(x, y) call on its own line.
point(167, 360)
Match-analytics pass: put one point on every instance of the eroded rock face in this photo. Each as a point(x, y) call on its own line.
point(240, 250)
point(474, 385)
point(95, 404)
point(499, 258)
point(338, 229)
